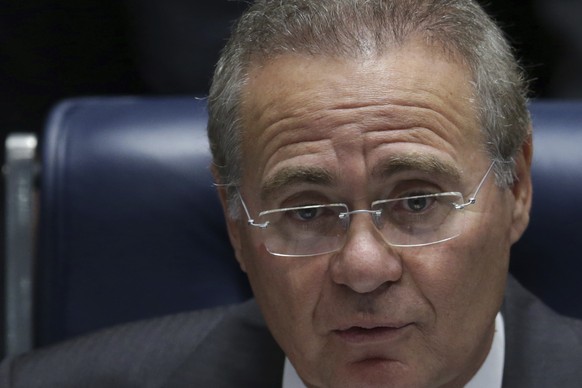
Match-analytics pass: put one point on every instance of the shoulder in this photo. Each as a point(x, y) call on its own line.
point(543, 348)
point(140, 354)
point(240, 352)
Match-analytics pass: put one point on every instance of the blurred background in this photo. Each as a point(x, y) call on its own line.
point(54, 49)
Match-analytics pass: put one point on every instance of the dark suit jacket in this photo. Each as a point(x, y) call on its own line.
point(231, 347)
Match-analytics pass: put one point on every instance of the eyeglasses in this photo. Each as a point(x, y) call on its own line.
point(317, 229)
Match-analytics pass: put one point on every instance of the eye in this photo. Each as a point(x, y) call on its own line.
point(418, 203)
point(305, 214)
point(312, 215)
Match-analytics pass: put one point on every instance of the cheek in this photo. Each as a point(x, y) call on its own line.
point(287, 291)
point(488, 244)
point(464, 280)
point(464, 295)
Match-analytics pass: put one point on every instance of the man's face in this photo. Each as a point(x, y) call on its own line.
point(371, 314)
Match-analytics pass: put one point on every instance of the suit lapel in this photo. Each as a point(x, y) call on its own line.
point(238, 352)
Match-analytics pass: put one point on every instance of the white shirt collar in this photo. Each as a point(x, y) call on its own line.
point(491, 372)
point(490, 375)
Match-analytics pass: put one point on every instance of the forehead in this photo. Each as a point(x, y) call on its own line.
point(295, 107)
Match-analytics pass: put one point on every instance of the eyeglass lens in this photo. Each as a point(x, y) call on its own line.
point(318, 229)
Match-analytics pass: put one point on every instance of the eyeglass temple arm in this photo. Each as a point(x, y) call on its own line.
point(473, 199)
point(250, 220)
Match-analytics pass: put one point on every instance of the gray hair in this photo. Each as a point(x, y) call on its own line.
point(363, 28)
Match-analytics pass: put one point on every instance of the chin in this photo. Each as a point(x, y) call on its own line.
point(376, 373)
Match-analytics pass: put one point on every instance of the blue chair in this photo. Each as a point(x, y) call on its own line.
point(130, 225)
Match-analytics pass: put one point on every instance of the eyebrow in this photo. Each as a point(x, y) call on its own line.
point(290, 176)
point(427, 164)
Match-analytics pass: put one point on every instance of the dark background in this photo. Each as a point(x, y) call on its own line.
point(53, 49)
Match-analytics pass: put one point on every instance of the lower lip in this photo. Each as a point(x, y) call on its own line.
point(378, 334)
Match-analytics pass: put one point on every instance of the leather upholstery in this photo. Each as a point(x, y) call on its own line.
point(130, 225)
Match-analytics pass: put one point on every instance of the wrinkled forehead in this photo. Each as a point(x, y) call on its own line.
point(301, 81)
point(298, 82)
point(304, 98)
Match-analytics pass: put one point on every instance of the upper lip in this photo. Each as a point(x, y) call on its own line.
point(371, 325)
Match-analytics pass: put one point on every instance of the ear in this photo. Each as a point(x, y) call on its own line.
point(522, 190)
point(232, 225)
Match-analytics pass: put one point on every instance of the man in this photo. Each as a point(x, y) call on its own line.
point(374, 161)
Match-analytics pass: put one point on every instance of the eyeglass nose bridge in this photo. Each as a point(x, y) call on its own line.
point(376, 214)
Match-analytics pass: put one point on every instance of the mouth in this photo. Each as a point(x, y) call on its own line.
point(358, 334)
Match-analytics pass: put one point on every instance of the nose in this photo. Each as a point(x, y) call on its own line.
point(366, 261)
